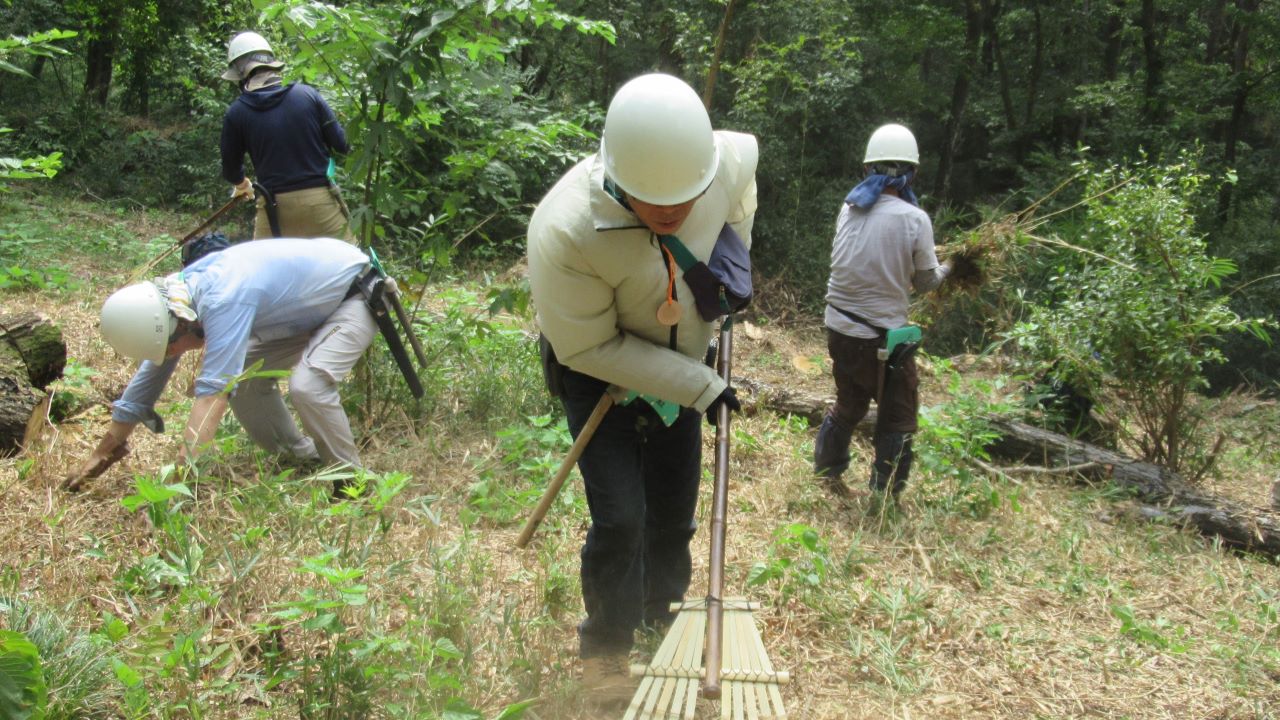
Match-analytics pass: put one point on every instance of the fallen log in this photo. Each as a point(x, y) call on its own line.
point(782, 401)
point(32, 342)
point(1254, 529)
point(1241, 526)
point(32, 355)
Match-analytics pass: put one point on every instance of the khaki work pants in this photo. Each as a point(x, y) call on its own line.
point(310, 213)
point(319, 361)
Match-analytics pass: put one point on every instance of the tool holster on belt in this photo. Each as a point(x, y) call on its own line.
point(373, 286)
point(900, 344)
point(273, 209)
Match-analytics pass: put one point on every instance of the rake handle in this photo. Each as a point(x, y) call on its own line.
point(575, 452)
point(719, 508)
point(209, 221)
point(144, 269)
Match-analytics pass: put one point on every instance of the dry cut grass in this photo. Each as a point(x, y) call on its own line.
point(978, 598)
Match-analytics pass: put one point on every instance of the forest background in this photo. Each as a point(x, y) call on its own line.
point(1114, 160)
point(462, 114)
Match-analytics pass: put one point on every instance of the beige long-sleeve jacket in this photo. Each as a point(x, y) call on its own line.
point(598, 276)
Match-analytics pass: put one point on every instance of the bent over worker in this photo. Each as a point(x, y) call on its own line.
point(618, 316)
point(291, 135)
point(883, 249)
point(292, 304)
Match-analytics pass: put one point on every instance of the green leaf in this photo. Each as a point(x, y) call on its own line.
point(445, 648)
point(114, 628)
point(515, 711)
point(23, 693)
point(127, 675)
point(459, 710)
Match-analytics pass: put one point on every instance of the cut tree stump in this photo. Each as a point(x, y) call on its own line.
point(32, 355)
point(1253, 529)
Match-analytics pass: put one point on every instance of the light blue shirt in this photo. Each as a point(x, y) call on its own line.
point(261, 291)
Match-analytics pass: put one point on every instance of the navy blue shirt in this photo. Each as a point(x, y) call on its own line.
point(289, 132)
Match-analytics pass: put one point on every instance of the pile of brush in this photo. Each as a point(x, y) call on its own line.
point(996, 249)
point(983, 255)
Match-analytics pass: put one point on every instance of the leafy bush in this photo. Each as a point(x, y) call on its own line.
point(37, 45)
point(1137, 313)
point(799, 560)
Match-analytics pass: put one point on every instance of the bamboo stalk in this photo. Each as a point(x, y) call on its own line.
point(781, 677)
point(719, 508)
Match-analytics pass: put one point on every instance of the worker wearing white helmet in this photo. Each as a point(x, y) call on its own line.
point(290, 303)
point(616, 315)
point(883, 250)
point(291, 135)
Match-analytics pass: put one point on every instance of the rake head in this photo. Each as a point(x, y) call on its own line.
point(750, 687)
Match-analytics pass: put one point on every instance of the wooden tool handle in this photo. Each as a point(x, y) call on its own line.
point(575, 452)
point(209, 221)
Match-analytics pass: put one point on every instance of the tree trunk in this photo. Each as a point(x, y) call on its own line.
point(959, 97)
point(1152, 89)
point(33, 343)
point(713, 72)
point(99, 59)
point(1217, 30)
point(1239, 98)
point(1112, 41)
point(1034, 73)
point(1240, 526)
point(32, 355)
point(1002, 68)
point(140, 81)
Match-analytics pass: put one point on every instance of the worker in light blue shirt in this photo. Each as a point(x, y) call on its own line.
point(291, 304)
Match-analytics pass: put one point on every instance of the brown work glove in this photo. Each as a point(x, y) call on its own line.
point(109, 452)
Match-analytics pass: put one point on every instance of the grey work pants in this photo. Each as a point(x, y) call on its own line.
point(318, 362)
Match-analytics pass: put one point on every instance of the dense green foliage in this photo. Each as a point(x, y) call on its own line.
point(1135, 313)
point(463, 113)
point(39, 45)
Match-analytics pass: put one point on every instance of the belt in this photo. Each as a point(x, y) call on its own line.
point(362, 277)
point(860, 320)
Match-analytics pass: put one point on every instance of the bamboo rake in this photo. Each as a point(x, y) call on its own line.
point(713, 642)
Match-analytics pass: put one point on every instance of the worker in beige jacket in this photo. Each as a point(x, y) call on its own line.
point(617, 316)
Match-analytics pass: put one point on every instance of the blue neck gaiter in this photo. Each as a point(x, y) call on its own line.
point(868, 191)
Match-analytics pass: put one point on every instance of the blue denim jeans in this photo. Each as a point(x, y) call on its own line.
point(642, 489)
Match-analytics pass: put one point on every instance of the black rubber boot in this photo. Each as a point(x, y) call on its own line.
point(831, 453)
point(893, 462)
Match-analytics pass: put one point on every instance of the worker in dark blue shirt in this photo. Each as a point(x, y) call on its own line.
point(291, 135)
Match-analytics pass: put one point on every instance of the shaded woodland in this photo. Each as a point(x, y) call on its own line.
point(463, 113)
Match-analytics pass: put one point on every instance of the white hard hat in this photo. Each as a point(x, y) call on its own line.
point(248, 43)
point(136, 322)
point(658, 145)
point(892, 143)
